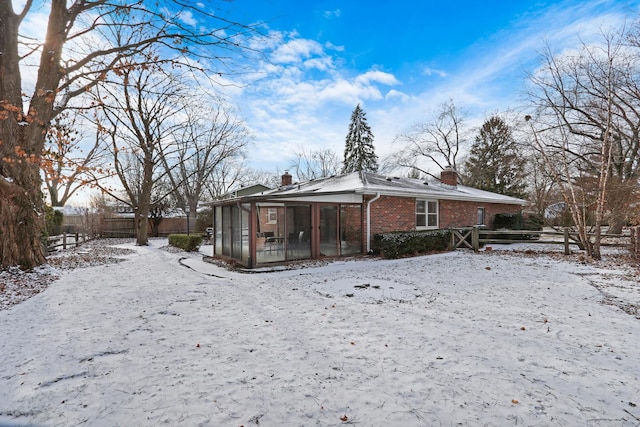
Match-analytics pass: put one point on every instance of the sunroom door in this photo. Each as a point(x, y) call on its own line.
point(329, 230)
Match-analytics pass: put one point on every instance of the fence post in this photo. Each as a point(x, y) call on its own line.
point(567, 251)
point(64, 240)
point(475, 238)
point(635, 243)
point(77, 240)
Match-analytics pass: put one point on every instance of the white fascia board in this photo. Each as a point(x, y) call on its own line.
point(445, 196)
point(323, 198)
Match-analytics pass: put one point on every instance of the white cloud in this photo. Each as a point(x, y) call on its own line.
point(348, 92)
point(332, 46)
point(375, 76)
point(332, 13)
point(428, 71)
point(295, 50)
point(186, 17)
point(270, 41)
point(394, 94)
point(322, 64)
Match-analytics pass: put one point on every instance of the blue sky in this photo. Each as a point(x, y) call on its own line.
point(400, 60)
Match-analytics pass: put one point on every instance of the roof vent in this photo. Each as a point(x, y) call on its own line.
point(389, 178)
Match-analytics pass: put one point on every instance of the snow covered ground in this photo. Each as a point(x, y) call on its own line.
point(493, 338)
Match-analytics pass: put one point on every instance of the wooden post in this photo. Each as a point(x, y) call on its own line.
point(77, 240)
point(475, 238)
point(64, 240)
point(567, 251)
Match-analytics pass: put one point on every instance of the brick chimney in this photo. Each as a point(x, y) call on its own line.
point(286, 179)
point(449, 176)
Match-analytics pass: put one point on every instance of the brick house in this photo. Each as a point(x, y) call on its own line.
point(339, 215)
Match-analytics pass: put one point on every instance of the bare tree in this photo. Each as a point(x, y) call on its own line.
point(77, 53)
point(139, 110)
point(579, 127)
point(161, 204)
point(594, 93)
point(209, 138)
point(235, 174)
point(541, 183)
point(230, 174)
point(69, 161)
point(436, 142)
point(314, 164)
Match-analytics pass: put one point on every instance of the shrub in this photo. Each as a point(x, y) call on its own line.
point(515, 221)
point(189, 242)
point(533, 222)
point(204, 220)
point(508, 221)
point(407, 243)
point(53, 222)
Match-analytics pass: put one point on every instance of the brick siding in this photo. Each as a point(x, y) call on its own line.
point(454, 213)
point(392, 214)
point(399, 213)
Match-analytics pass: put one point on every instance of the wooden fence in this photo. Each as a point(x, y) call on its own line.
point(64, 241)
point(118, 227)
point(474, 237)
point(635, 243)
point(125, 227)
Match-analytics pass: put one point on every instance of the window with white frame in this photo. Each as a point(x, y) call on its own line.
point(480, 216)
point(426, 214)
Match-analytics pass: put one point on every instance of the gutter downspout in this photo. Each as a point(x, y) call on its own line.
point(369, 203)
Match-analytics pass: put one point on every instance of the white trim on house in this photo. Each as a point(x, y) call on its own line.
point(320, 198)
point(369, 203)
point(427, 214)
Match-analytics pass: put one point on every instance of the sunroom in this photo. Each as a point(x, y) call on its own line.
point(260, 232)
point(293, 222)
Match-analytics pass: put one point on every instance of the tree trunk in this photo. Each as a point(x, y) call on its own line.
point(142, 213)
point(616, 223)
point(155, 225)
point(142, 222)
point(21, 141)
point(144, 201)
point(22, 136)
point(20, 227)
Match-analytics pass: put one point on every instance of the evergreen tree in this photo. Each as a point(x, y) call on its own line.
point(359, 153)
point(494, 163)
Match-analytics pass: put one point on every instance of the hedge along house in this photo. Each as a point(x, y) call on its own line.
point(339, 215)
